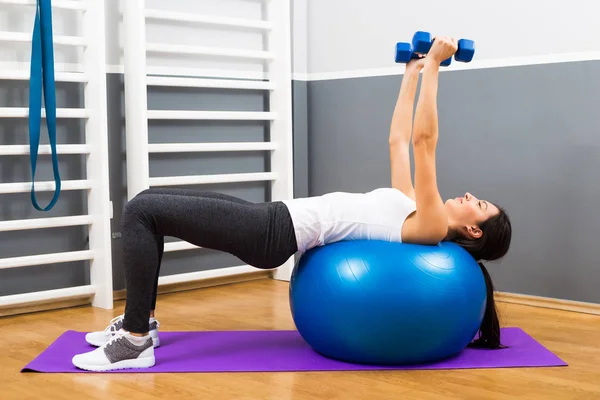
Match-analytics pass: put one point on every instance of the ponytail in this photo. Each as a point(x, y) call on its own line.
point(494, 244)
point(489, 332)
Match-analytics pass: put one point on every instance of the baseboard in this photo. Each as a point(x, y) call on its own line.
point(52, 305)
point(548, 302)
point(204, 283)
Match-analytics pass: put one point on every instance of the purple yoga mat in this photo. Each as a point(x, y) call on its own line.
point(272, 351)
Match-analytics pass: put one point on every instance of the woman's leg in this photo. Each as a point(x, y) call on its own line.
point(261, 235)
point(160, 239)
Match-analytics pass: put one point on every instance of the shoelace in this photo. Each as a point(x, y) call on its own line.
point(118, 334)
point(113, 322)
point(112, 325)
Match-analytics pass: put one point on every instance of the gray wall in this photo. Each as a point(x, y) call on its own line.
point(300, 128)
point(524, 137)
point(16, 169)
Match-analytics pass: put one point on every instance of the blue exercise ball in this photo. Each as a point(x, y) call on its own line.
point(376, 302)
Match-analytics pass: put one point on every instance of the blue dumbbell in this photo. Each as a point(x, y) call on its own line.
point(466, 50)
point(421, 44)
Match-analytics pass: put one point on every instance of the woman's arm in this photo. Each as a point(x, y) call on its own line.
point(430, 222)
point(401, 129)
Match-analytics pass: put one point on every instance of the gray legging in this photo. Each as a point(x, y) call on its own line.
point(260, 234)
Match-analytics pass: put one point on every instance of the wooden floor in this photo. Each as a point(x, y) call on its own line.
point(263, 304)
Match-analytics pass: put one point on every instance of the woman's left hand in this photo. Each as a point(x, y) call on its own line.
point(416, 64)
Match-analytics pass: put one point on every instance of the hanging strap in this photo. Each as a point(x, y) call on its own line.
point(42, 75)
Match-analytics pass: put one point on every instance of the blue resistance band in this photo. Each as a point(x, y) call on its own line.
point(42, 75)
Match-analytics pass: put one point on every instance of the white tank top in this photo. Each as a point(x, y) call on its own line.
point(375, 215)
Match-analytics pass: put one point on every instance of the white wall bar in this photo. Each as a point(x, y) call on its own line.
point(209, 83)
point(19, 37)
point(207, 51)
point(96, 135)
point(44, 259)
point(179, 246)
point(173, 16)
point(64, 4)
point(42, 223)
point(44, 186)
point(210, 179)
point(202, 275)
point(14, 150)
point(22, 112)
point(204, 72)
point(280, 72)
point(23, 75)
point(210, 115)
point(136, 96)
point(56, 294)
point(210, 147)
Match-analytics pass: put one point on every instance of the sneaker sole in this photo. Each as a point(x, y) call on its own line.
point(155, 342)
point(138, 363)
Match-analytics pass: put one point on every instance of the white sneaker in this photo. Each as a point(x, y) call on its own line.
point(99, 338)
point(119, 352)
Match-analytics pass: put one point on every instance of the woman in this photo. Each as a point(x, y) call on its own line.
point(265, 235)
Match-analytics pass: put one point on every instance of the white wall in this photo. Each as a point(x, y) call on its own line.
point(299, 37)
point(348, 35)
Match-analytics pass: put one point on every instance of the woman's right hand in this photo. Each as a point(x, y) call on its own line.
point(443, 47)
point(416, 64)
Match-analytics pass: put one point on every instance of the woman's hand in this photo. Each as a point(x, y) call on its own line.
point(443, 47)
point(416, 64)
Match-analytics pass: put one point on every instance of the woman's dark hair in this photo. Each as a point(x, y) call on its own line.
point(492, 245)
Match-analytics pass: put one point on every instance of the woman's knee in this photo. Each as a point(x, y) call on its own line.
point(147, 192)
point(140, 205)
